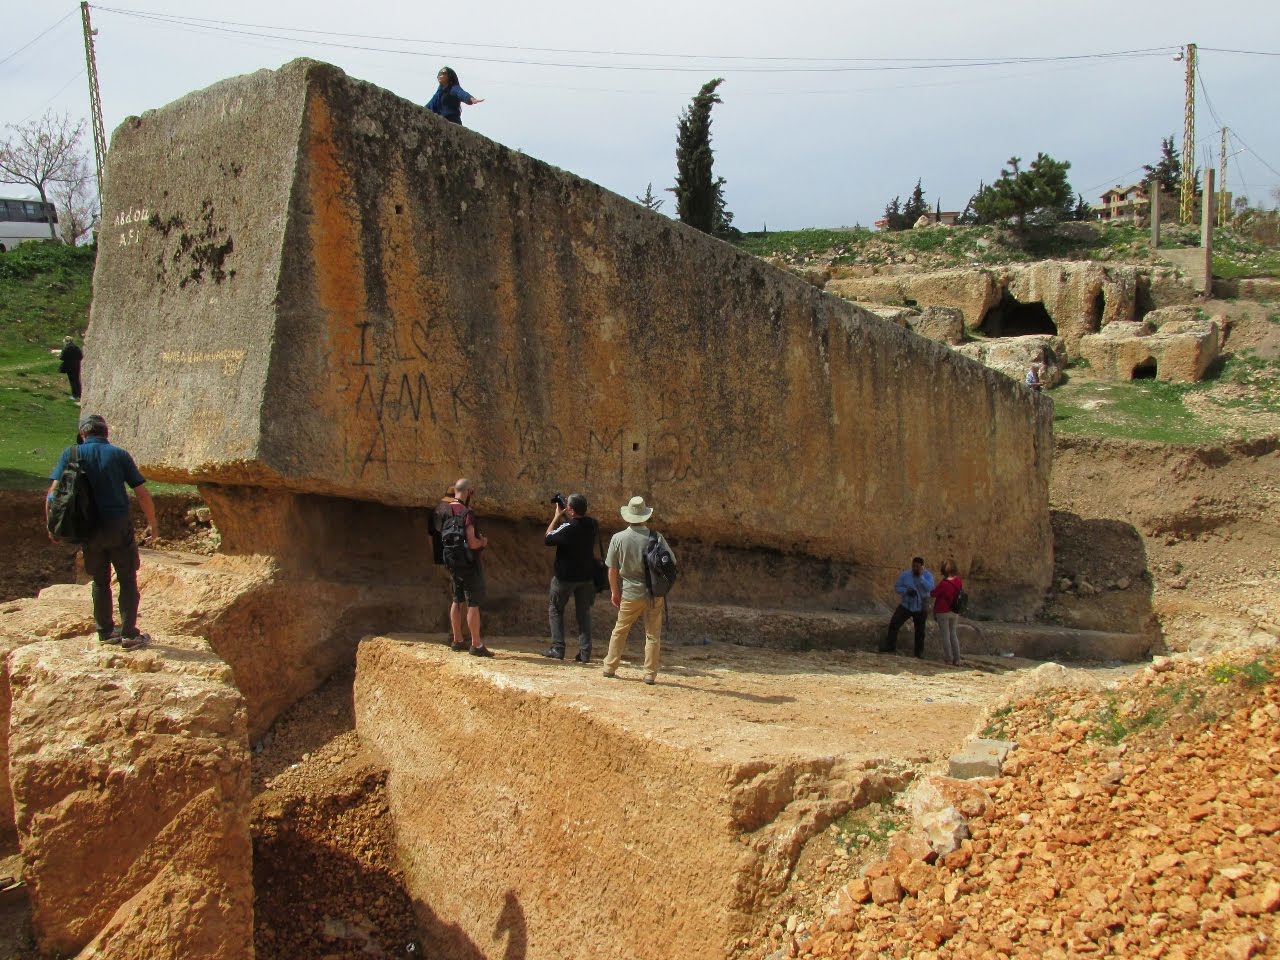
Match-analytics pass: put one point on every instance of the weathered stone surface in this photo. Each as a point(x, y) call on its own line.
point(130, 777)
point(973, 292)
point(346, 296)
point(1079, 297)
point(1180, 351)
point(979, 758)
point(623, 809)
point(1012, 356)
point(944, 324)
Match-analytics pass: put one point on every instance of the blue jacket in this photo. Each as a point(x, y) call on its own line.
point(913, 591)
point(108, 468)
point(448, 103)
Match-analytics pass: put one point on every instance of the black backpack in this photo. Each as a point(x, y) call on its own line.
point(453, 540)
point(73, 518)
point(660, 571)
point(961, 602)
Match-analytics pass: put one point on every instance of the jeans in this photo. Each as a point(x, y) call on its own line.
point(950, 640)
point(584, 595)
point(113, 546)
point(900, 616)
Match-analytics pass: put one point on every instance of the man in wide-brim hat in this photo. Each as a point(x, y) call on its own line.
point(625, 561)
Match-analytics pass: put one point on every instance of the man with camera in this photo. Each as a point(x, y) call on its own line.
point(913, 588)
point(573, 534)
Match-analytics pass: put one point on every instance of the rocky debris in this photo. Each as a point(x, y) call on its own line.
point(130, 779)
point(1170, 782)
point(1012, 356)
point(979, 758)
point(1178, 351)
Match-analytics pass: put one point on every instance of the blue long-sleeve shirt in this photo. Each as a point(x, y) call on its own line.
point(913, 591)
point(448, 103)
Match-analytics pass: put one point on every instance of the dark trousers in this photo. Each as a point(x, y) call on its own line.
point(584, 595)
point(901, 616)
point(73, 378)
point(113, 547)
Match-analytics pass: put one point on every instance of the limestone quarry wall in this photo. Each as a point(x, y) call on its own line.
point(310, 284)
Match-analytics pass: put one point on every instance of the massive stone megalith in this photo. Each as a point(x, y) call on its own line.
point(310, 285)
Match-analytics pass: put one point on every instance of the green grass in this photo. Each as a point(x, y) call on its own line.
point(806, 242)
point(1155, 410)
point(867, 830)
point(44, 295)
point(995, 729)
point(1252, 674)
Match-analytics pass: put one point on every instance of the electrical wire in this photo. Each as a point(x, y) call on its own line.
point(863, 64)
point(74, 77)
point(36, 37)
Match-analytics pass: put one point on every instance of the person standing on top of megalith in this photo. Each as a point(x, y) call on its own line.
point(449, 97)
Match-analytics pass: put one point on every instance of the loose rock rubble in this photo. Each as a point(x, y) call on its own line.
point(1142, 821)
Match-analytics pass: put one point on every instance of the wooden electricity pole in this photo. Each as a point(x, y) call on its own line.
point(95, 97)
point(1187, 209)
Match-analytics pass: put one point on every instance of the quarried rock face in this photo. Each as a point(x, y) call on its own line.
point(972, 292)
point(345, 296)
point(1012, 356)
point(1180, 351)
point(616, 837)
point(131, 785)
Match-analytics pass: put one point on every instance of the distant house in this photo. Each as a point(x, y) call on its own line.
point(1124, 203)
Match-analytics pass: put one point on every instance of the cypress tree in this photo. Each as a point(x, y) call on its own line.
point(699, 195)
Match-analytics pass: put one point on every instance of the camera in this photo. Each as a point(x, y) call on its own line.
point(558, 499)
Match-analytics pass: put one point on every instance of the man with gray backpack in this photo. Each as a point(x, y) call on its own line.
point(642, 570)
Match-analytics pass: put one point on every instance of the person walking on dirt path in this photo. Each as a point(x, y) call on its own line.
point(913, 588)
point(944, 595)
point(573, 534)
point(467, 575)
point(625, 560)
point(69, 359)
point(109, 468)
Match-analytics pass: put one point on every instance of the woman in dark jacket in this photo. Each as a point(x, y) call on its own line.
point(449, 97)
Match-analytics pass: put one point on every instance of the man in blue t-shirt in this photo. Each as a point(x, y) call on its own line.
point(913, 588)
point(108, 469)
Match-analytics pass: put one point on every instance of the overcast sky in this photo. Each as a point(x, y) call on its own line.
point(830, 108)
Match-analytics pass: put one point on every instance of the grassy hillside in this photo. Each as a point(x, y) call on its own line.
point(44, 296)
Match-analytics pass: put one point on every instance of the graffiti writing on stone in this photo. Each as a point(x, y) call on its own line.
point(231, 360)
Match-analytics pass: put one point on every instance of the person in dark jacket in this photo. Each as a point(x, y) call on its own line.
point(449, 97)
point(573, 534)
point(69, 360)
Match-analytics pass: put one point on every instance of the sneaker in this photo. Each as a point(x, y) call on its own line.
point(584, 656)
point(459, 646)
point(481, 651)
point(610, 676)
point(555, 653)
point(113, 638)
point(135, 641)
point(650, 680)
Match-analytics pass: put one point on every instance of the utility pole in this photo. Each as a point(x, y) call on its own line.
point(1222, 180)
point(1187, 209)
point(95, 98)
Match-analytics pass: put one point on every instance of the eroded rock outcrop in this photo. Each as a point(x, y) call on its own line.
point(1179, 351)
point(621, 837)
point(130, 777)
point(350, 298)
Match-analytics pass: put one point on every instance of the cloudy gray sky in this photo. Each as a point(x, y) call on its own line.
point(830, 108)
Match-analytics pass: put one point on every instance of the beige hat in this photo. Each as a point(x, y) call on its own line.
point(636, 511)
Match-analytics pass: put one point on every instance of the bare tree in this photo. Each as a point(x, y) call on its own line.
point(77, 202)
point(41, 153)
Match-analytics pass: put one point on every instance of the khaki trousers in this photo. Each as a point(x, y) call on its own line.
point(628, 613)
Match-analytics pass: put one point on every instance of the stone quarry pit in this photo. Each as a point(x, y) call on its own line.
point(327, 372)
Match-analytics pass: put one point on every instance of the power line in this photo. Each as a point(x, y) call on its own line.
point(1251, 53)
point(850, 64)
point(34, 39)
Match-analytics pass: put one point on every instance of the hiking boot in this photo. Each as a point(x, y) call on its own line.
point(481, 651)
point(584, 655)
point(554, 653)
